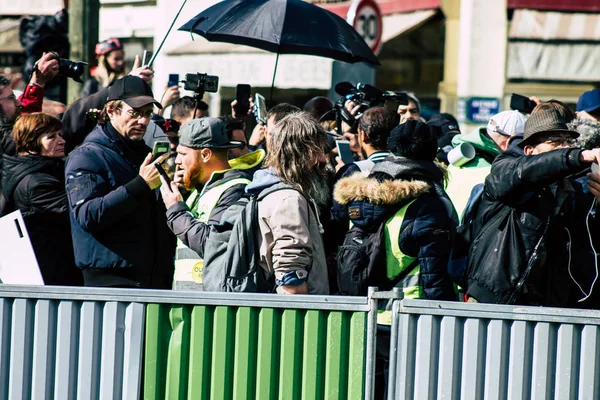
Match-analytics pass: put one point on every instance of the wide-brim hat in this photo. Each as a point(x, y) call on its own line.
point(544, 122)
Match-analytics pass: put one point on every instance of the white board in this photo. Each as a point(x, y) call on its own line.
point(18, 265)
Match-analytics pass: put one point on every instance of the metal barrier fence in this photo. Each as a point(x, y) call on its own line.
point(92, 343)
point(63, 343)
point(252, 347)
point(480, 351)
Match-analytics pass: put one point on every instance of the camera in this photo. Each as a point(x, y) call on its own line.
point(201, 83)
point(366, 96)
point(71, 69)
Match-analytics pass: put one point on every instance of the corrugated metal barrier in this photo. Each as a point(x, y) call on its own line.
point(480, 351)
point(252, 347)
point(61, 343)
point(93, 343)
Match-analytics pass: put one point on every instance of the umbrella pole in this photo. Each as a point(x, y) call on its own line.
point(273, 82)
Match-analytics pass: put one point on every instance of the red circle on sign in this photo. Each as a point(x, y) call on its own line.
point(361, 15)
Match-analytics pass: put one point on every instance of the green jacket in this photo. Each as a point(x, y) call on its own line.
point(461, 180)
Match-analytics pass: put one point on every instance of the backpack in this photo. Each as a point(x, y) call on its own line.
point(231, 251)
point(465, 234)
point(361, 261)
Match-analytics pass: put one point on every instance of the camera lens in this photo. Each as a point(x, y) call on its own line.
point(71, 69)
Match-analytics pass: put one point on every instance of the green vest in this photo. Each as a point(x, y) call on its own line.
point(188, 264)
point(397, 262)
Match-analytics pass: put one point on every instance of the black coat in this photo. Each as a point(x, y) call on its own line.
point(429, 223)
point(537, 200)
point(118, 222)
point(36, 186)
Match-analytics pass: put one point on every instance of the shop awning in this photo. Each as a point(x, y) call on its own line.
point(9, 36)
point(554, 26)
point(554, 46)
point(396, 24)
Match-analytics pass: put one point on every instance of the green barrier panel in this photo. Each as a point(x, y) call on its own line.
point(227, 352)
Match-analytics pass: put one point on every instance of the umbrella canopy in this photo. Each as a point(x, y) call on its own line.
point(282, 27)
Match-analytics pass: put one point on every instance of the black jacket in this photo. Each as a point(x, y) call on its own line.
point(536, 200)
point(36, 186)
point(118, 222)
point(429, 222)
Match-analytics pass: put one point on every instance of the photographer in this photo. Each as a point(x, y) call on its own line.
point(30, 101)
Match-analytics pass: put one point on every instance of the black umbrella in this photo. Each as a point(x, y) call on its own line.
point(282, 27)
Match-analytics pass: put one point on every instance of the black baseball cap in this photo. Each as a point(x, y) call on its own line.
point(134, 91)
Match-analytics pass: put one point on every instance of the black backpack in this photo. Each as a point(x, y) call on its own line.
point(231, 251)
point(361, 261)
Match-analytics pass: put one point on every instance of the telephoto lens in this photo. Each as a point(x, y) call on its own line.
point(71, 69)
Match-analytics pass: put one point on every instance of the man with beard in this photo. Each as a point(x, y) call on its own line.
point(202, 155)
point(120, 235)
point(291, 246)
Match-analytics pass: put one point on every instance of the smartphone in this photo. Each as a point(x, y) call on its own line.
point(159, 149)
point(173, 80)
point(242, 95)
point(521, 103)
point(146, 58)
point(344, 151)
point(163, 173)
point(260, 109)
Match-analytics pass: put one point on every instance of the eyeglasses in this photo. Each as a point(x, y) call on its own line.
point(559, 141)
point(138, 114)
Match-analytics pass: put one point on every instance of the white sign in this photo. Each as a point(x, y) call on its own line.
point(365, 17)
point(18, 265)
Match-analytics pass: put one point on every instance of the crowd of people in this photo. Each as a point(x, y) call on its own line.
point(505, 214)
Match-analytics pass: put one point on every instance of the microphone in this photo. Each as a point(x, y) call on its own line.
point(344, 88)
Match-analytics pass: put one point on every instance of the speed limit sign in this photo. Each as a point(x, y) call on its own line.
point(365, 17)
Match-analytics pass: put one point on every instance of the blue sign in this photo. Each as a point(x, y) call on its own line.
point(481, 109)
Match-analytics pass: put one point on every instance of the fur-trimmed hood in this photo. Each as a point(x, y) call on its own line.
point(370, 200)
point(361, 187)
point(589, 133)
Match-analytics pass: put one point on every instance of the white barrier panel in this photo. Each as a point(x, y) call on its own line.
point(480, 351)
point(52, 349)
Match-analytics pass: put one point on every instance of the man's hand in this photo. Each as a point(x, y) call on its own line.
point(149, 173)
point(353, 139)
point(170, 193)
point(295, 289)
point(143, 72)
point(178, 177)
point(590, 156)
point(46, 69)
point(258, 135)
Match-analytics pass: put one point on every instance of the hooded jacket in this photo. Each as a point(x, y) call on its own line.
point(36, 186)
point(290, 234)
point(461, 180)
point(429, 223)
point(117, 220)
point(194, 233)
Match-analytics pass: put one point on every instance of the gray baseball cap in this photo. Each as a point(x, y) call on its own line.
point(206, 132)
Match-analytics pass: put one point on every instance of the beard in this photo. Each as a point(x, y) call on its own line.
point(191, 177)
point(319, 187)
point(5, 120)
